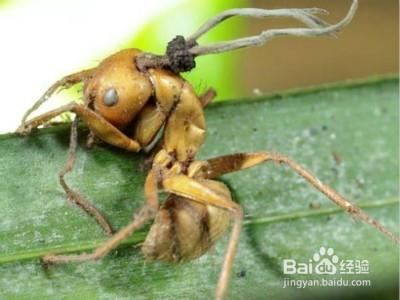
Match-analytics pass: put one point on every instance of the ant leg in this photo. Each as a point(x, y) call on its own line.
point(207, 96)
point(234, 162)
point(230, 254)
point(146, 213)
point(64, 83)
point(96, 123)
point(91, 139)
point(150, 121)
point(74, 196)
point(205, 99)
point(214, 193)
point(151, 189)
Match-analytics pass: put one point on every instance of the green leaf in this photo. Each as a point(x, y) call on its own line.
point(345, 134)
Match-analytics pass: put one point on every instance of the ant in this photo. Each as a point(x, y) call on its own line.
point(123, 107)
point(131, 97)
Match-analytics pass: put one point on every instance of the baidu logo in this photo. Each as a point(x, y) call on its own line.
point(326, 262)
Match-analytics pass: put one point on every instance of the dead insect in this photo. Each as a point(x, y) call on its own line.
point(130, 97)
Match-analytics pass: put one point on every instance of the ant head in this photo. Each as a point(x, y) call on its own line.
point(118, 90)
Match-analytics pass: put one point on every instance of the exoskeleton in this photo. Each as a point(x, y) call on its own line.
point(129, 98)
point(123, 106)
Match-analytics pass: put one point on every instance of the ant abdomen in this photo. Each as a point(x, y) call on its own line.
point(184, 230)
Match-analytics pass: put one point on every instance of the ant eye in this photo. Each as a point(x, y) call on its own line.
point(110, 97)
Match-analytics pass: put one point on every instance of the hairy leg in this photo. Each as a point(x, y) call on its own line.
point(96, 123)
point(144, 214)
point(73, 195)
point(234, 162)
point(64, 83)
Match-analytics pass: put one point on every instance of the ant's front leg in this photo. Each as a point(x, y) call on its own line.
point(96, 123)
point(64, 83)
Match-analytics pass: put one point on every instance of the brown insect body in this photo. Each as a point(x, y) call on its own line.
point(184, 230)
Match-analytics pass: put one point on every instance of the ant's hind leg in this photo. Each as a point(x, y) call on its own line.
point(235, 162)
point(73, 195)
